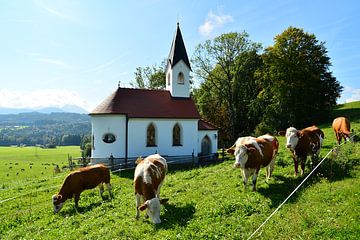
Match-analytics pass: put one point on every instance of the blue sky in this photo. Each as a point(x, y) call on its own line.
point(55, 53)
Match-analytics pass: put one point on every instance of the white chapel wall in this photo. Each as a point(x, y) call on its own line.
point(102, 124)
point(138, 136)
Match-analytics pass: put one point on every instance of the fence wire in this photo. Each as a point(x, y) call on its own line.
point(302, 182)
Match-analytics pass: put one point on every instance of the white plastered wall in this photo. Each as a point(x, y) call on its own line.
point(178, 90)
point(163, 127)
point(102, 124)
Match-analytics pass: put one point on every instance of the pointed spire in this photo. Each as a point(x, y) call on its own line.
point(178, 50)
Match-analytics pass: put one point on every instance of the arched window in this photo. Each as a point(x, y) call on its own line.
point(168, 79)
point(151, 140)
point(177, 135)
point(180, 79)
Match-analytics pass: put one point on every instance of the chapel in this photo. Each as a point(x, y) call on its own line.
point(139, 122)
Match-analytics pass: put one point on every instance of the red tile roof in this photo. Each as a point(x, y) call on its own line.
point(143, 103)
point(204, 125)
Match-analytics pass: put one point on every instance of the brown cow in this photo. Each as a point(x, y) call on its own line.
point(148, 179)
point(254, 154)
point(80, 180)
point(341, 127)
point(302, 143)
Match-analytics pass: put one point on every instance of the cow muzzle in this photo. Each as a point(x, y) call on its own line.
point(237, 165)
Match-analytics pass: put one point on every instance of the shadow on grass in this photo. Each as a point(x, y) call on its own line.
point(176, 216)
point(278, 191)
point(80, 210)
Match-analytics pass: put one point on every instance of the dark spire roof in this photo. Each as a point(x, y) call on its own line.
point(178, 50)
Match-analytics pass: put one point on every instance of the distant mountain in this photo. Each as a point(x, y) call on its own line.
point(66, 108)
point(56, 128)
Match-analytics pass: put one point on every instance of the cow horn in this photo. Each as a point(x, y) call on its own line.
point(138, 160)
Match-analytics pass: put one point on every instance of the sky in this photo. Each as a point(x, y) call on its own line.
point(69, 52)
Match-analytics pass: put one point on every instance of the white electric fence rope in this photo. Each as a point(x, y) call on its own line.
point(267, 219)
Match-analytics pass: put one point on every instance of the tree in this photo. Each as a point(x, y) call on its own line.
point(150, 77)
point(298, 88)
point(227, 65)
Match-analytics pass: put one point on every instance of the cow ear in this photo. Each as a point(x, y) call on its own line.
point(138, 160)
point(281, 133)
point(143, 207)
point(250, 150)
point(230, 151)
point(299, 134)
point(164, 200)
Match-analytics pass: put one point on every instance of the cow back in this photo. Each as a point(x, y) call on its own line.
point(84, 178)
point(309, 141)
point(341, 125)
point(255, 159)
point(149, 174)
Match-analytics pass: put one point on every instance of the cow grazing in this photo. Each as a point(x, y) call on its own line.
point(148, 179)
point(255, 153)
point(80, 180)
point(302, 143)
point(341, 127)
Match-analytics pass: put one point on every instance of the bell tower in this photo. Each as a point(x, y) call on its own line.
point(178, 68)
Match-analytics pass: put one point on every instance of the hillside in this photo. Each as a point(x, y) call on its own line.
point(40, 128)
point(206, 202)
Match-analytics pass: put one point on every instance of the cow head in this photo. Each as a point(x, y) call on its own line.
point(57, 201)
point(292, 137)
point(153, 208)
point(242, 154)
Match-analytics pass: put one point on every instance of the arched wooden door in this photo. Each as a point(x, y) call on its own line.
point(205, 146)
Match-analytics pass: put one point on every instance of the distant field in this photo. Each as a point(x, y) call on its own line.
point(205, 202)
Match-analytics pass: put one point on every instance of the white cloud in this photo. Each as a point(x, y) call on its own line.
point(353, 93)
point(41, 99)
point(213, 22)
point(349, 95)
point(49, 9)
point(55, 62)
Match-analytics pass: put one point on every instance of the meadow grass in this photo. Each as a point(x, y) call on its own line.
point(206, 202)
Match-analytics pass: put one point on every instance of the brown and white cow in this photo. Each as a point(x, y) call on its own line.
point(302, 143)
point(255, 153)
point(240, 141)
point(341, 127)
point(148, 179)
point(80, 180)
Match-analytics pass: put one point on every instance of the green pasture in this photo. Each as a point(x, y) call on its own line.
point(207, 202)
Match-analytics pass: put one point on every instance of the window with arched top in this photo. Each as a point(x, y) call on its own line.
point(168, 79)
point(177, 135)
point(181, 78)
point(150, 136)
point(205, 146)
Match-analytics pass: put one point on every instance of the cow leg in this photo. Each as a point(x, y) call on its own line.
point(76, 199)
point(296, 165)
point(108, 187)
point(270, 169)
point(338, 138)
point(101, 190)
point(247, 172)
point(302, 162)
point(137, 199)
point(256, 172)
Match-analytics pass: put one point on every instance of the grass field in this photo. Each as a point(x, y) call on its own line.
point(206, 202)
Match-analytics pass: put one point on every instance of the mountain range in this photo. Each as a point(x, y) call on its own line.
point(64, 109)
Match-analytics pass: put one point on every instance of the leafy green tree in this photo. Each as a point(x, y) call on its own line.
point(226, 66)
point(298, 88)
point(150, 77)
